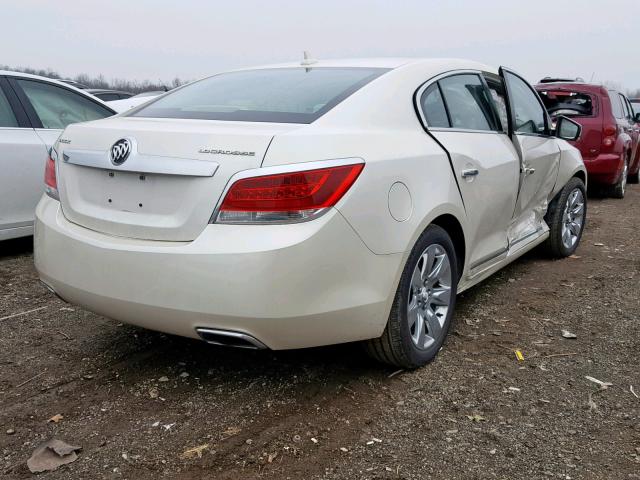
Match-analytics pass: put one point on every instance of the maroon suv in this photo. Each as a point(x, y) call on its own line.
point(609, 140)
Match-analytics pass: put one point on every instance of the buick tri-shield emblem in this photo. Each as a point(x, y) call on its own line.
point(120, 151)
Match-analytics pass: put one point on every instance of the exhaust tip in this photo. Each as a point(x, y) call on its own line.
point(228, 338)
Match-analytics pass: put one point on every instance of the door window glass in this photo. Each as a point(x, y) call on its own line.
point(529, 115)
point(57, 107)
point(108, 97)
point(433, 107)
point(467, 102)
point(496, 89)
point(7, 118)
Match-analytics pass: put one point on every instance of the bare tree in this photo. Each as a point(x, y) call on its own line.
point(133, 86)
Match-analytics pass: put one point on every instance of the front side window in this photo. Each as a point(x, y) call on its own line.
point(636, 107)
point(7, 118)
point(58, 107)
point(528, 113)
point(433, 107)
point(285, 95)
point(467, 102)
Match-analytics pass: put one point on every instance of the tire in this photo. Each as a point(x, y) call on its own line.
point(619, 189)
point(634, 177)
point(558, 245)
point(401, 343)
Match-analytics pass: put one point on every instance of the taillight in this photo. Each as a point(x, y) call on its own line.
point(609, 134)
point(287, 197)
point(50, 180)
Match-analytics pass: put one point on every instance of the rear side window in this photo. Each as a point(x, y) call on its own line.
point(7, 118)
point(286, 95)
point(568, 103)
point(467, 102)
point(628, 111)
point(58, 107)
point(616, 106)
point(433, 107)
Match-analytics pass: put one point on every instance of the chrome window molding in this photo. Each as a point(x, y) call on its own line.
point(431, 81)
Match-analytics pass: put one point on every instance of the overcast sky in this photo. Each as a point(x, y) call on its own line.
point(158, 39)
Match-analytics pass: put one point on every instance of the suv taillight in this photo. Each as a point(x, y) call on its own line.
point(287, 197)
point(609, 134)
point(50, 180)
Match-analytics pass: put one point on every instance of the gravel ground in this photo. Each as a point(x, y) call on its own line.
point(138, 402)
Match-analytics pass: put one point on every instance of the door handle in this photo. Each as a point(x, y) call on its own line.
point(529, 170)
point(470, 172)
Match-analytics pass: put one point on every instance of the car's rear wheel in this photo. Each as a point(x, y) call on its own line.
point(619, 189)
point(423, 306)
point(566, 217)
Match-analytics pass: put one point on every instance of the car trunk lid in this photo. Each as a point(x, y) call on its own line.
point(170, 182)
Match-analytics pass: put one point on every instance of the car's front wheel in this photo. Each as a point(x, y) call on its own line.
point(566, 217)
point(423, 306)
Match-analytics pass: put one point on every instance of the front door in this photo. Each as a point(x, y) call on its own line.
point(539, 155)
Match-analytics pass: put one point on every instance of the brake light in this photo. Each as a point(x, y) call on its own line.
point(50, 180)
point(287, 197)
point(609, 132)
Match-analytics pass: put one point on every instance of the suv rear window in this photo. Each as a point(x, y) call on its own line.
point(285, 95)
point(564, 102)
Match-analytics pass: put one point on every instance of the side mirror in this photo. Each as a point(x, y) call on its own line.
point(636, 117)
point(567, 129)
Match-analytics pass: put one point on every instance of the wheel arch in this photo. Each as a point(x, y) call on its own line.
point(453, 227)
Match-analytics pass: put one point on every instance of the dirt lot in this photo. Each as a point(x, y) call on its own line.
point(136, 400)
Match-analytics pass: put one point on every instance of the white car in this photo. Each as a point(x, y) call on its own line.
point(33, 113)
point(131, 102)
point(303, 205)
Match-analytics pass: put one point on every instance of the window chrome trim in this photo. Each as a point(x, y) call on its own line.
point(274, 170)
point(437, 78)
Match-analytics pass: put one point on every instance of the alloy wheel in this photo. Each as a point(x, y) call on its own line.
point(429, 297)
point(573, 218)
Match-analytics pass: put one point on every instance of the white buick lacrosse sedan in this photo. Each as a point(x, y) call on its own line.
point(308, 204)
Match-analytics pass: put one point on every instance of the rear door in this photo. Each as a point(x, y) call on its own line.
point(458, 112)
point(539, 155)
point(22, 160)
point(52, 107)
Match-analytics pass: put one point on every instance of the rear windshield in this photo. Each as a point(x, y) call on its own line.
point(567, 103)
point(284, 95)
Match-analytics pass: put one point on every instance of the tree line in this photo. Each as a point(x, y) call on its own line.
point(132, 86)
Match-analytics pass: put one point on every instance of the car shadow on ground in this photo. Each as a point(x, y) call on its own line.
point(16, 247)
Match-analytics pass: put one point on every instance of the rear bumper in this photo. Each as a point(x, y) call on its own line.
point(288, 286)
point(605, 168)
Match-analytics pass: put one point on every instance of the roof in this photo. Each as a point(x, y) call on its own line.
point(8, 73)
point(432, 64)
point(576, 86)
